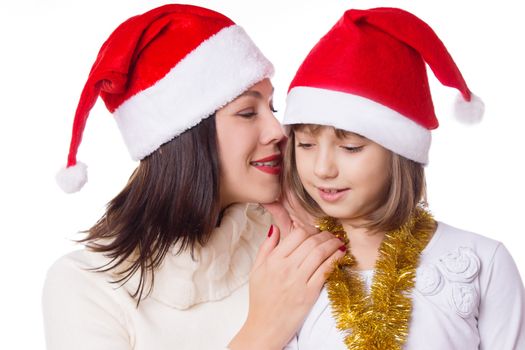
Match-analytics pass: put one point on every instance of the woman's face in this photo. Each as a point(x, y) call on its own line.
point(248, 137)
point(347, 176)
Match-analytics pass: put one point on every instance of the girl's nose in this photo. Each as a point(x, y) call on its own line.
point(325, 166)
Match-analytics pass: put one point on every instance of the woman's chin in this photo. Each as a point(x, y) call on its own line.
point(268, 195)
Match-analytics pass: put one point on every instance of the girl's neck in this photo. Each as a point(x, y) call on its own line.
point(364, 245)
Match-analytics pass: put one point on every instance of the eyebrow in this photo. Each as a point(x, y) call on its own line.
point(311, 129)
point(254, 93)
point(350, 134)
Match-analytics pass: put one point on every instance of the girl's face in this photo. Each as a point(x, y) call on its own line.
point(348, 176)
point(248, 137)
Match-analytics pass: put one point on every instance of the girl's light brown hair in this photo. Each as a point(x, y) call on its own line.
point(406, 190)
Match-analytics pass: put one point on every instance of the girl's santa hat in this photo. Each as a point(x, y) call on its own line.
point(161, 73)
point(367, 75)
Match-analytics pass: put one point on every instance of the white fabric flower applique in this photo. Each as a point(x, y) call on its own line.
point(460, 266)
point(429, 280)
point(453, 274)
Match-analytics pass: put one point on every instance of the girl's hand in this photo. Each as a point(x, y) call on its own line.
point(285, 282)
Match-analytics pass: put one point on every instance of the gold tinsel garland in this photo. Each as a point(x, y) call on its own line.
point(379, 319)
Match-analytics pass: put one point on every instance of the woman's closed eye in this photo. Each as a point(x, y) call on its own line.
point(247, 113)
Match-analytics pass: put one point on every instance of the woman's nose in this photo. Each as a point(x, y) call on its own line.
point(272, 130)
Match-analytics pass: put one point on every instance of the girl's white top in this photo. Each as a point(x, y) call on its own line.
point(468, 295)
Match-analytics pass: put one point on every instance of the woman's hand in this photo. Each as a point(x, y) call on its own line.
point(285, 282)
point(288, 211)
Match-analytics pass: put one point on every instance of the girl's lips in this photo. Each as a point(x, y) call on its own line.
point(270, 165)
point(332, 195)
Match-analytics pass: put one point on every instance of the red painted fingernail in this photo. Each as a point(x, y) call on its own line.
point(270, 231)
point(342, 248)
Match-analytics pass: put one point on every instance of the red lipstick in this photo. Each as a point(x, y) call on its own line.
point(270, 165)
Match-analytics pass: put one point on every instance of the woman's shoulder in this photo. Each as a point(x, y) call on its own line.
point(81, 308)
point(77, 263)
point(77, 277)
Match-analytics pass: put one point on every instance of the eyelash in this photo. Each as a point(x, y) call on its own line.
point(247, 115)
point(304, 145)
point(353, 149)
point(349, 149)
point(253, 114)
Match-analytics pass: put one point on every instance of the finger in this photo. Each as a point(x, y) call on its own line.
point(294, 207)
point(320, 276)
point(297, 222)
point(289, 243)
point(280, 217)
point(319, 255)
point(309, 246)
point(267, 246)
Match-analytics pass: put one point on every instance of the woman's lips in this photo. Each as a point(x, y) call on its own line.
point(274, 170)
point(270, 165)
point(332, 194)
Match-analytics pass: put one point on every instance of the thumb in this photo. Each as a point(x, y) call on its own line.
point(311, 229)
point(267, 246)
point(280, 216)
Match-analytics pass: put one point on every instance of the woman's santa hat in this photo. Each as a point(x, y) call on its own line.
point(367, 75)
point(161, 73)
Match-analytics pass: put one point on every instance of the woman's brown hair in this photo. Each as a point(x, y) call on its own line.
point(172, 198)
point(406, 190)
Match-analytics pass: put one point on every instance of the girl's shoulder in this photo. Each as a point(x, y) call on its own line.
point(462, 257)
point(449, 239)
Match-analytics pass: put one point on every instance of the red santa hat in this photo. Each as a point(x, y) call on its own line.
point(367, 75)
point(161, 73)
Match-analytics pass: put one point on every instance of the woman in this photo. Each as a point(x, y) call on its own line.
point(167, 265)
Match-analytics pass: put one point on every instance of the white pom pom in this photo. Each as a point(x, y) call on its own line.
point(73, 178)
point(469, 112)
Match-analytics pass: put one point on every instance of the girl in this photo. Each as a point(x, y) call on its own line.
point(360, 114)
point(167, 265)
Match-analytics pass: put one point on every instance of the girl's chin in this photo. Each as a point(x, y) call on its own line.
point(336, 214)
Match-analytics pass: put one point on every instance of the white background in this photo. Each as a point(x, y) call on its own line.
point(48, 46)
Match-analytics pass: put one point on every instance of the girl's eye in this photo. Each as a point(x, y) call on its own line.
point(353, 149)
point(304, 145)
